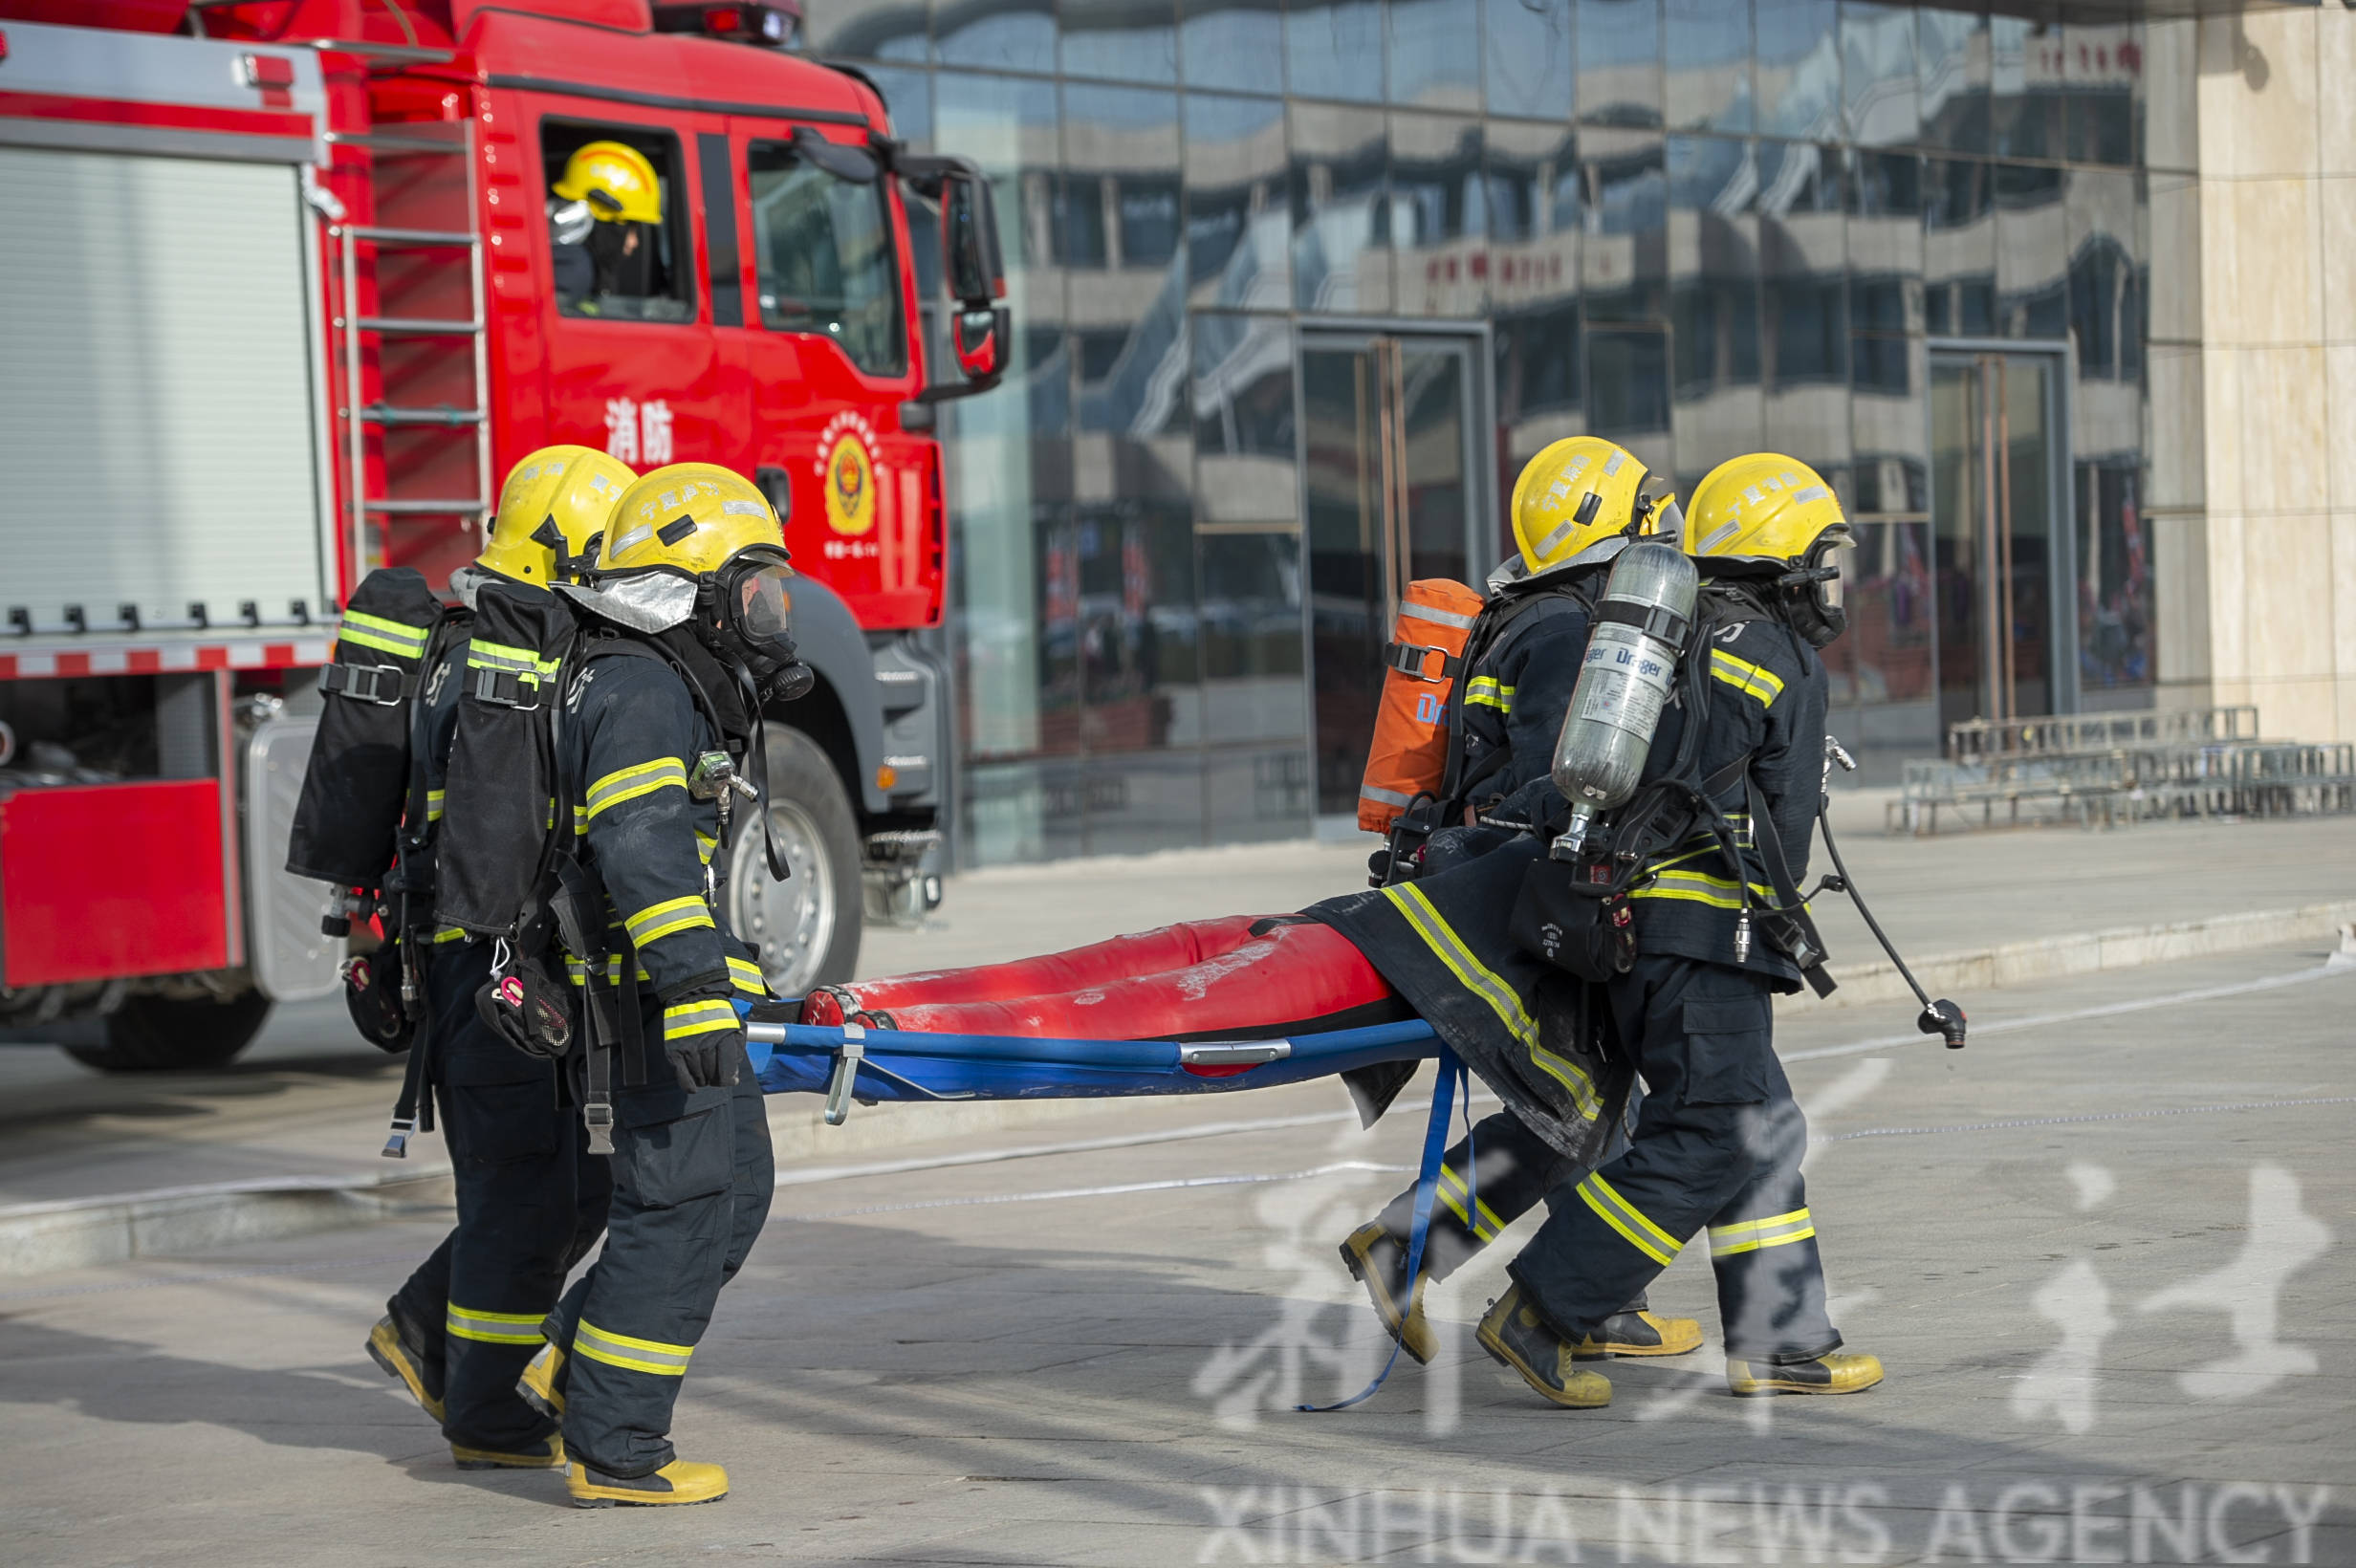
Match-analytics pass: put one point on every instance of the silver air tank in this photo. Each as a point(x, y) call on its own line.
point(1641, 626)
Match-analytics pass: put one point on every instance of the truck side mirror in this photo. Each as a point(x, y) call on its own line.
point(971, 268)
point(970, 240)
point(980, 339)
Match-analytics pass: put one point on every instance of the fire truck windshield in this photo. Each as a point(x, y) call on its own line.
point(826, 258)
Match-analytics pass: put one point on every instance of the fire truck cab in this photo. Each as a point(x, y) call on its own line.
point(287, 288)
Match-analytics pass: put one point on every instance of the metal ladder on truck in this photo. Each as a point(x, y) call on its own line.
point(410, 340)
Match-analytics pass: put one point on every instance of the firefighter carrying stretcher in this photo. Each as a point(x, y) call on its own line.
point(1587, 948)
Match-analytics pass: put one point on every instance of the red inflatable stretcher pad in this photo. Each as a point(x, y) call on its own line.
point(1194, 980)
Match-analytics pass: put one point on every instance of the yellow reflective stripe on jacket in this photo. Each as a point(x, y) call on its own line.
point(482, 655)
point(1453, 1192)
point(434, 801)
point(577, 971)
point(1572, 1077)
point(1746, 677)
point(494, 1328)
point(681, 1019)
point(630, 783)
point(748, 977)
point(374, 631)
point(668, 917)
point(1482, 691)
point(704, 844)
point(1629, 1219)
point(667, 1360)
point(1450, 950)
point(1699, 887)
point(1750, 1235)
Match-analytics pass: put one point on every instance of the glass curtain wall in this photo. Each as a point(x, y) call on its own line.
point(1697, 227)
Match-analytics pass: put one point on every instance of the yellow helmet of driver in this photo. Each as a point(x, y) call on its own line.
point(616, 180)
point(1762, 508)
point(559, 495)
point(1574, 493)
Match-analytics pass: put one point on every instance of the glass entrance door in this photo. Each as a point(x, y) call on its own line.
point(1997, 548)
point(1389, 478)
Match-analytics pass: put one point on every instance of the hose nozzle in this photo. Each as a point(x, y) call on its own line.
point(1944, 1019)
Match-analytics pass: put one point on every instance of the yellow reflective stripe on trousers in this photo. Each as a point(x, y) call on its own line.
point(704, 844)
point(681, 1019)
point(494, 1328)
point(630, 783)
point(1484, 692)
point(748, 977)
point(1453, 1192)
point(1746, 677)
point(434, 799)
point(1629, 1219)
point(450, 933)
point(638, 1355)
point(666, 919)
point(374, 631)
point(1450, 950)
point(1750, 1235)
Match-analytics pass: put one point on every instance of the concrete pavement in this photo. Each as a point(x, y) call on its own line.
point(2103, 1253)
point(307, 1105)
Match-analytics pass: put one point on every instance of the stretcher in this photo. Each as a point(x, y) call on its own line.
point(852, 1063)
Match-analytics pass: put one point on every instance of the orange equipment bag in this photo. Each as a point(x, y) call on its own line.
point(1420, 670)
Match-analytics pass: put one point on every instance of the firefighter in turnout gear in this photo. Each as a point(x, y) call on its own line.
point(1575, 507)
point(691, 583)
point(1718, 1141)
point(531, 1203)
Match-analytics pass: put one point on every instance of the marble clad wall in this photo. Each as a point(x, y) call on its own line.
point(2257, 538)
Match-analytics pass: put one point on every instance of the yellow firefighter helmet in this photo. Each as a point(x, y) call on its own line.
point(691, 517)
point(616, 180)
point(559, 495)
point(1765, 506)
point(1575, 493)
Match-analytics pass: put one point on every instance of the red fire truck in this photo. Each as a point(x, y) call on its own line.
point(283, 294)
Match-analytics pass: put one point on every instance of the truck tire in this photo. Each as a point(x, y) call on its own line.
point(807, 928)
point(169, 1035)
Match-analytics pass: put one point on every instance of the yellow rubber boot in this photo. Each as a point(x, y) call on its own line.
point(1835, 1373)
point(405, 1361)
point(1641, 1334)
point(681, 1481)
point(1515, 1334)
point(548, 1453)
point(538, 1386)
point(1377, 1260)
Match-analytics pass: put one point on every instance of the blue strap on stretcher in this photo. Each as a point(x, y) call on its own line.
point(1451, 1078)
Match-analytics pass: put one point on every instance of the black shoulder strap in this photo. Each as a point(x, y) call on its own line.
point(1496, 617)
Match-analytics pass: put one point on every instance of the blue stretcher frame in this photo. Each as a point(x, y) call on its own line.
point(849, 1061)
point(889, 1064)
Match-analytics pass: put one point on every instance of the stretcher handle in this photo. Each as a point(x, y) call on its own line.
point(853, 1052)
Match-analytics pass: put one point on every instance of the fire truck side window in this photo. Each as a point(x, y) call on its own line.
point(619, 250)
point(827, 262)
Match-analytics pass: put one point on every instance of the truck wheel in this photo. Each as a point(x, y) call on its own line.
point(807, 926)
point(167, 1034)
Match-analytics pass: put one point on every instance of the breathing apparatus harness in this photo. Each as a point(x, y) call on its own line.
point(528, 888)
point(1572, 909)
point(1402, 856)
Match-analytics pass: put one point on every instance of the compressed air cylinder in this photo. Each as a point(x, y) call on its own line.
point(1641, 626)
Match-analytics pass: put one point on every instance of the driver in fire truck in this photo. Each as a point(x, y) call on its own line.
point(604, 222)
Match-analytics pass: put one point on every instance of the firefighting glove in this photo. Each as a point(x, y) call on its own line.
point(703, 1039)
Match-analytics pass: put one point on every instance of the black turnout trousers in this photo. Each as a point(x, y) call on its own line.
point(531, 1201)
point(1718, 1144)
point(693, 1175)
